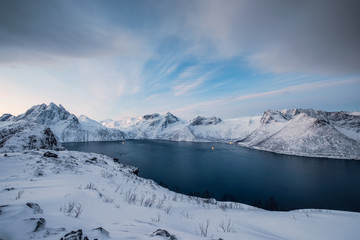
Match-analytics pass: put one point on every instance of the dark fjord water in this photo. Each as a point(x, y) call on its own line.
point(239, 174)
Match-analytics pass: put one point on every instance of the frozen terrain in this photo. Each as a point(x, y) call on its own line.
point(18, 132)
point(43, 195)
point(307, 132)
point(170, 127)
point(302, 132)
point(47, 192)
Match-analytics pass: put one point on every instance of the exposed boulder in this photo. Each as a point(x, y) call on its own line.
point(136, 171)
point(163, 233)
point(73, 235)
point(102, 232)
point(50, 154)
point(40, 223)
point(35, 207)
point(92, 160)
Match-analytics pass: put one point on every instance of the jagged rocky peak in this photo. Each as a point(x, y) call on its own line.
point(151, 116)
point(6, 117)
point(199, 120)
point(338, 118)
point(270, 116)
point(46, 114)
point(169, 119)
point(285, 115)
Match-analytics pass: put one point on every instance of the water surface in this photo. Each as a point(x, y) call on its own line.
point(230, 172)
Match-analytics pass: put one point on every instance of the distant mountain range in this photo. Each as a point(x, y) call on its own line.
point(304, 132)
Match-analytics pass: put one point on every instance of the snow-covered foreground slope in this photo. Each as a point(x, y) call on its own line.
point(303, 132)
point(37, 194)
point(65, 126)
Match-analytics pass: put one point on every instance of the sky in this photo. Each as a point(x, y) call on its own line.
point(113, 59)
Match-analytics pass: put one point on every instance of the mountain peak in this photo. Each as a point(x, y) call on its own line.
point(6, 117)
point(45, 114)
point(199, 120)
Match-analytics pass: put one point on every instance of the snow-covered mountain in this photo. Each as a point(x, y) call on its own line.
point(307, 132)
point(170, 127)
point(41, 122)
point(304, 132)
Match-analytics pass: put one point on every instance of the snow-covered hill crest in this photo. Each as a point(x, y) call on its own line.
point(63, 194)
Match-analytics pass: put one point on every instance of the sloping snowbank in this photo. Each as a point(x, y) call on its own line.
point(129, 207)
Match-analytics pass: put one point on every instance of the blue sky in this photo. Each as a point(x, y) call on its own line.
point(110, 59)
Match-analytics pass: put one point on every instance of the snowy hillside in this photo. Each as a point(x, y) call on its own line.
point(64, 194)
point(65, 126)
point(307, 132)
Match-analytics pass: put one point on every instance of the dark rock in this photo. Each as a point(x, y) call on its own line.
point(39, 172)
point(92, 160)
point(5, 155)
point(9, 189)
point(163, 233)
point(86, 238)
point(50, 154)
point(321, 122)
point(73, 235)
point(35, 207)
point(40, 223)
point(49, 142)
point(169, 119)
point(151, 116)
point(136, 171)
point(103, 232)
point(203, 121)
point(116, 160)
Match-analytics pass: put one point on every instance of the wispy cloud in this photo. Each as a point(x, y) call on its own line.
point(187, 86)
point(297, 88)
point(114, 56)
point(225, 105)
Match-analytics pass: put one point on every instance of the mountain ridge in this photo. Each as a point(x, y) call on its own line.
point(304, 132)
point(18, 132)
